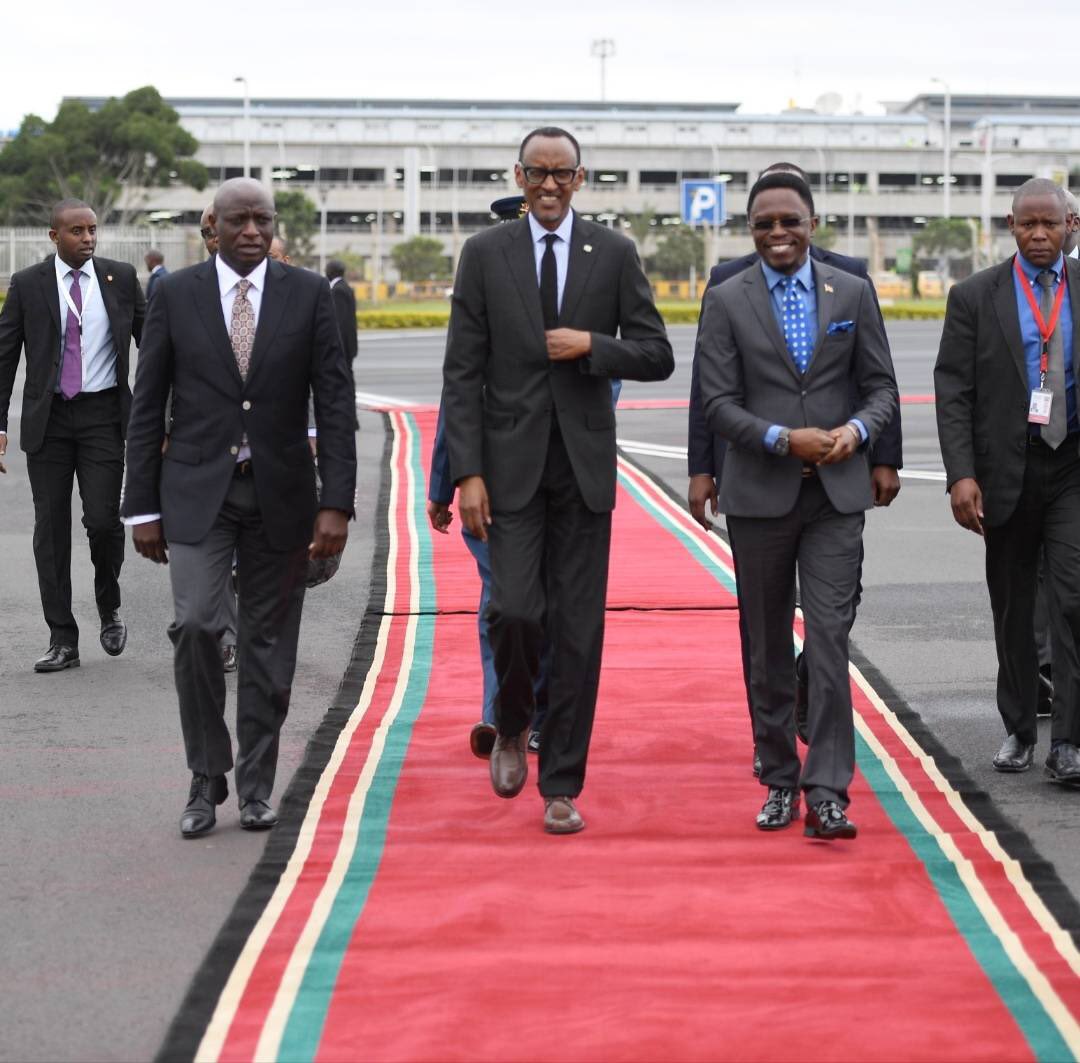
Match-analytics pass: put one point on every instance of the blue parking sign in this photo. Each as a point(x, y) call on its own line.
point(703, 202)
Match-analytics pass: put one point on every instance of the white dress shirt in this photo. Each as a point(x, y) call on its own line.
point(562, 248)
point(98, 347)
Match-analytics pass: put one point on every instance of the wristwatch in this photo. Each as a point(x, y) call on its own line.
point(783, 443)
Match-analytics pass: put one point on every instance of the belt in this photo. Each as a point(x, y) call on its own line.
point(1072, 439)
point(808, 471)
point(242, 469)
point(79, 395)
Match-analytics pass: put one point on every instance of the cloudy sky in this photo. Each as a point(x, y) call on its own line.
point(760, 54)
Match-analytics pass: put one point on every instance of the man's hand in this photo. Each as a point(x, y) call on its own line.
point(702, 493)
point(440, 515)
point(331, 532)
point(3, 450)
point(846, 440)
point(566, 344)
point(473, 506)
point(810, 444)
point(149, 540)
point(967, 504)
point(885, 481)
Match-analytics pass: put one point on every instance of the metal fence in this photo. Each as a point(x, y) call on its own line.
point(20, 248)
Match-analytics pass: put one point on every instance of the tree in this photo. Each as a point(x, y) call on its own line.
point(942, 236)
point(680, 249)
point(641, 227)
point(297, 220)
point(421, 258)
point(824, 236)
point(104, 157)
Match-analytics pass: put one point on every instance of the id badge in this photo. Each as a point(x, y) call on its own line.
point(1039, 410)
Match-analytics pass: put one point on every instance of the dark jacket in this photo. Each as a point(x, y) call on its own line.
point(345, 316)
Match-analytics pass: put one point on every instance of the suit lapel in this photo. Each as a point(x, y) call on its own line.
point(208, 305)
point(757, 293)
point(522, 261)
point(50, 293)
point(275, 296)
point(579, 267)
point(1004, 297)
point(825, 295)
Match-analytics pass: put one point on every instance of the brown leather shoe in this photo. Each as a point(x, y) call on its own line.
point(509, 765)
point(482, 739)
point(560, 816)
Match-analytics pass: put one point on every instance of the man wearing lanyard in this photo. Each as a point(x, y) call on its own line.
point(75, 314)
point(1007, 420)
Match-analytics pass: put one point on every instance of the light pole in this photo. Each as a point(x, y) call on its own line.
point(603, 48)
point(948, 146)
point(247, 127)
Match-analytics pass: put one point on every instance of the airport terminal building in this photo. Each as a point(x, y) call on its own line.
point(383, 170)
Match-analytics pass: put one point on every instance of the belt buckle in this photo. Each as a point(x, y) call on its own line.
point(243, 468)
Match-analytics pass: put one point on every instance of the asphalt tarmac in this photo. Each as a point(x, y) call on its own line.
point(105, 912)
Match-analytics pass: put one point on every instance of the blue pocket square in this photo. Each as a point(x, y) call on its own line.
point(839, 326)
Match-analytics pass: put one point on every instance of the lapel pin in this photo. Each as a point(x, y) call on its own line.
point(108, 277)
point(828, 288)
point(586, 248)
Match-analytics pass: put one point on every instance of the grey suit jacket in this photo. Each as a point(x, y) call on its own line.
point(749, 383)
point(982, 387)
point(500, 389)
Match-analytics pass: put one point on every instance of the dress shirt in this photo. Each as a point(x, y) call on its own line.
point(562, 248)
point(1032, 338)
point(803, 279)
point(98, 348)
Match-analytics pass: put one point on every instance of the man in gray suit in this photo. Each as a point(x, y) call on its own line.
point(796, 375)
point(530, 356)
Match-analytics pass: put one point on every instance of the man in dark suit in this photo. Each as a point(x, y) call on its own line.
point(344, 306)
point(239, 341)
point(75, 315)
point(155, 265)
point(705, 450)
point(1005, 384)
point(530, 354)
point(785, 346)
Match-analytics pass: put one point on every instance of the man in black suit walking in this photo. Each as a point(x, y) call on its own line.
point(1005, 384)
point(75, 315)
point(239, 341)
point(530, 354)
point(344, 306)
point(155, 264)
point(796, 375)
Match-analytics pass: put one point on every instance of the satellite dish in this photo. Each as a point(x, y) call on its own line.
point(829, 103)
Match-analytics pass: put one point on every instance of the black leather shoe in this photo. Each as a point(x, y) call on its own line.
point(802, 700)
point(826, 820)
point(57, 659)
point(781, 806)
point(257, 815)
point(1046, 691)
point(757, 764)
point(199, 815)
point(113, 634)
point(1063, 764)
point(482, 739)
point(1014, 755)
point(509, 766)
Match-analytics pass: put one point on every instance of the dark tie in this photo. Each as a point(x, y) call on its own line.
point(71, 371)
point(1053, 433)
point(549, 284)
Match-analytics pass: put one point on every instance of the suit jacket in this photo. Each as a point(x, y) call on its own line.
point(705, 450)
point(31, 320)
point(749, 383)
point(500, 389)
point(981, 385)
point(186, 351)
point(154, 280)
point(345, 315)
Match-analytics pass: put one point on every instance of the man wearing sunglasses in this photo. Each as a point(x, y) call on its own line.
point(796, 376)
point(547, 311)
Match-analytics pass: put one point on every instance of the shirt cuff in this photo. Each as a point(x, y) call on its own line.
point(143, 518)
point(312, 433)
point(861, 427)
point(771, 437)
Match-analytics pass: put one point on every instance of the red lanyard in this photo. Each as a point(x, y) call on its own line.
point(1045, 330)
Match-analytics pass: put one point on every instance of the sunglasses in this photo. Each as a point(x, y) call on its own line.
point(784, 223)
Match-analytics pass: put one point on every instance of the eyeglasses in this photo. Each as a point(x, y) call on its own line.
point(206, 232)
point(784, 223)
point(537, 175)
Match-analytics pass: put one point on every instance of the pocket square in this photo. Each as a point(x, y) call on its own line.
point(839, 326)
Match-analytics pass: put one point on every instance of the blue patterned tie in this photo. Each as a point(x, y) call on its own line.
point(796, 328)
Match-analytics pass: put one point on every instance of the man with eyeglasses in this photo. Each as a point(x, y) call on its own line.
point(705, 450)
point(796, 375)
point(546, 311)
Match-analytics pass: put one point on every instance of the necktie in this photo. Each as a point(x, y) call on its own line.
point(242, 328)
point(71, 371)
point(1053, 433)
point(796, 330)
point(549, 284)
